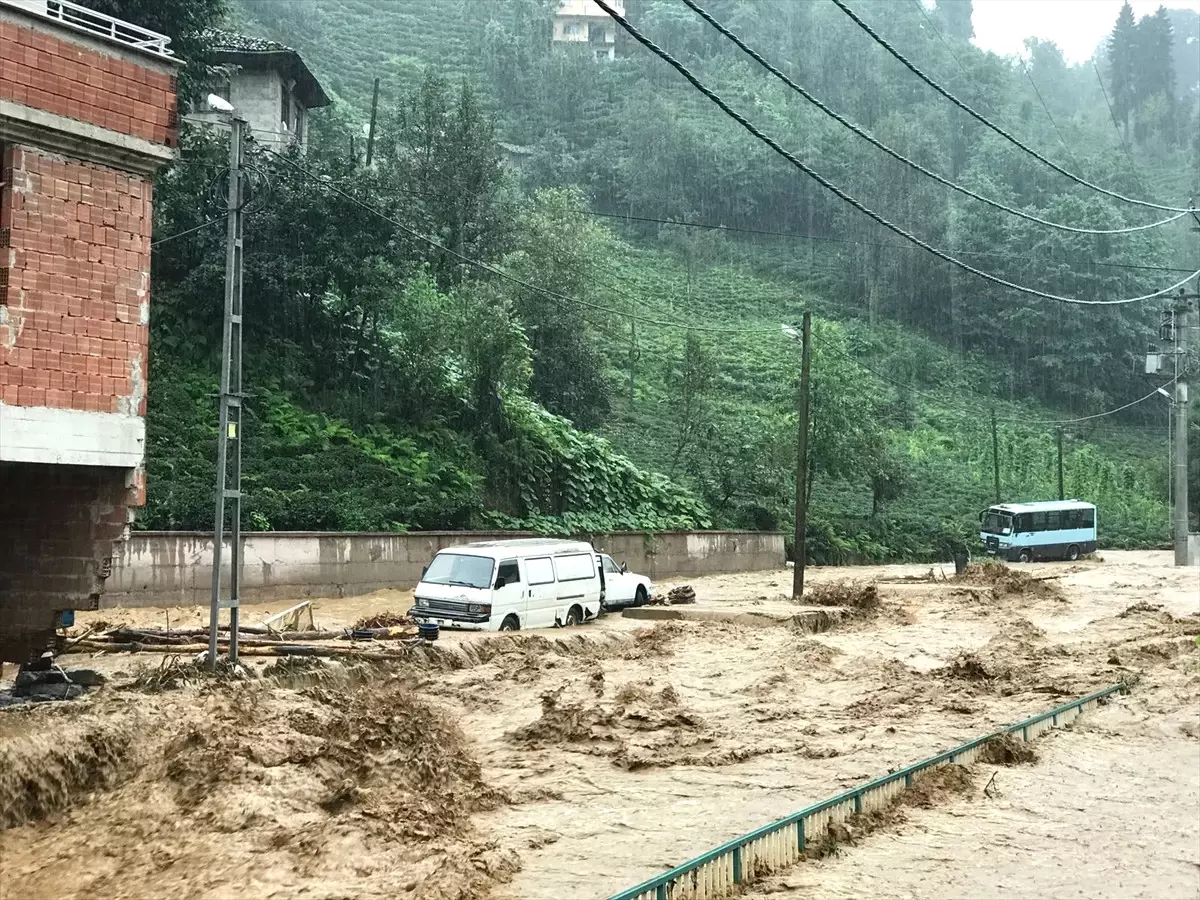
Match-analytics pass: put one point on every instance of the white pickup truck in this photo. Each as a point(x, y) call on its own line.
point(622, 587)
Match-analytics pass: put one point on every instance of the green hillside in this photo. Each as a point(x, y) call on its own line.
point(560, 342)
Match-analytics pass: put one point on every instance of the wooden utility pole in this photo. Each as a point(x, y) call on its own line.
point(1061, 494)
point(802, 459)
point(371, 129)
point(996, 454)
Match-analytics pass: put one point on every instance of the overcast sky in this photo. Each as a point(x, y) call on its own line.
point(1077, 26)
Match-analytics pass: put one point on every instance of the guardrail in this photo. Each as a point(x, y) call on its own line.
point(782, 843)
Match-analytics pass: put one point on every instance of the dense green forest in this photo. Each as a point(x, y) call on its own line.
point(566, 356)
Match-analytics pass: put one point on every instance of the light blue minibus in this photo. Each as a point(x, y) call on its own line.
point(1053, 529)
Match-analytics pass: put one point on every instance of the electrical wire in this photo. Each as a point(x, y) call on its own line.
point(1112, 115)
point(833, 240)
point(900, 157)
point(1107, 413)
point(879, 39)
point(180, 234)
point(842, 195)
point(634, 317)
point(500, 273)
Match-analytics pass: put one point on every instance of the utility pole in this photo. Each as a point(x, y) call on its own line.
point(371, 129)
point(996, 454)
point(229, 443)
point(1061, 494)
point(802, 459)
point(1184, 307)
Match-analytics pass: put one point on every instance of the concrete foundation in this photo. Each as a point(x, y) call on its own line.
point(58, 527)
point(175, 568)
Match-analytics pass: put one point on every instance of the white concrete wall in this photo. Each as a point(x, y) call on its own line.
point(71, 437)
point(175, 568)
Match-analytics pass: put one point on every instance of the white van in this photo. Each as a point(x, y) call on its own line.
point(510, 585)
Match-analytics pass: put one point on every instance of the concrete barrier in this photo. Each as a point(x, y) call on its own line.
point(168, 568)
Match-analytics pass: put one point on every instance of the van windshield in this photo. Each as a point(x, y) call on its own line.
point(460, 569)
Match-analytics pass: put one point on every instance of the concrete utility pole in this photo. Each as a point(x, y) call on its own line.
point(802, 454)
point(996, 454)
point(229, 443)
point(1185, 306)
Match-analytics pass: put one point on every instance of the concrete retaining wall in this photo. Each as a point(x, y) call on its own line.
point(175, 568)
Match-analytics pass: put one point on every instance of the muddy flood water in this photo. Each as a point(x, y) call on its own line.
point(556, 765)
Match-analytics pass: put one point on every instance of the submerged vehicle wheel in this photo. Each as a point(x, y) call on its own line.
point(1026, 556)
point(1073, 552)
point(510, 623)
point(574, 616)
point(640, 598)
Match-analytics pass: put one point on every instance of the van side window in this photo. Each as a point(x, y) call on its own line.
point(576, 567)
point(540, 571)
point(1053, 520)
point(1039, 521)
point(611, 567)
point(1024, 522)
point(1089, 518)
point(508, 573)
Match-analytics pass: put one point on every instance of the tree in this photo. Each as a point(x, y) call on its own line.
point(690, 381)
point(1122, 66)
point(956, 18)
point(440, 154)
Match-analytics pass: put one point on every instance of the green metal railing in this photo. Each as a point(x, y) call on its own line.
point(782, 843)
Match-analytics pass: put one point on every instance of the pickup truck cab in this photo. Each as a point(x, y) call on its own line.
point(622, 587)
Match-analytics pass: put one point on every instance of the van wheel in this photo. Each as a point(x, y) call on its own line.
point(510, 623)
point(574, 616)
point(1073, 552)
point(1026, 556)
point(639, 599)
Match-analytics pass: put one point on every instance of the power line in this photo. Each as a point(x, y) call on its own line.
point(838, 192)
point(682, 223)
point(180, 234)
point(500, 273)
point(701, 328)
point(1110, 412)
point(875, 36)
point(1112, 115)
point(901, 158)
point(1049, 115)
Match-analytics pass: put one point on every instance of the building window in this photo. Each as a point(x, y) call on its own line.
point(571, 29)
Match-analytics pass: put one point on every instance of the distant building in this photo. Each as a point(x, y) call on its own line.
point(583, 22)
point(270, 87)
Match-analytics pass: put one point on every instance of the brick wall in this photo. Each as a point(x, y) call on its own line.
point(75, 238)
point(66, 78)
point(59, 526)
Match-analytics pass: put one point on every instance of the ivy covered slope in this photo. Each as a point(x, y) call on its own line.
point(387, 390)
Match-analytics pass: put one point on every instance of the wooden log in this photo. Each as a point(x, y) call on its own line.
point(256, 650)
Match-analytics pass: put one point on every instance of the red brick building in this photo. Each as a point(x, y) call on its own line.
point(87, 116)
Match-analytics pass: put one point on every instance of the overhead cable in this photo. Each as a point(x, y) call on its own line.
point(733, 229)
point(899, 157)
point(875, 36)
point(841, 194)
point(500, 273)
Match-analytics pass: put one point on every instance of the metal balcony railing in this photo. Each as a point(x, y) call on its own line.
point(97, 24)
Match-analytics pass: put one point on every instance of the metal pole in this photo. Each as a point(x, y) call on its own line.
point(371, 129)
point(230, 409)
point(1061, 494)
point(996, 454)
point(1182, 409)
point(802, 460)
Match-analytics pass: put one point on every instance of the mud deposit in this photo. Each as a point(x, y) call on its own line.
point(572, 764)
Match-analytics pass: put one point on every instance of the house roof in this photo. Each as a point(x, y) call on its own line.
point(248, 52)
